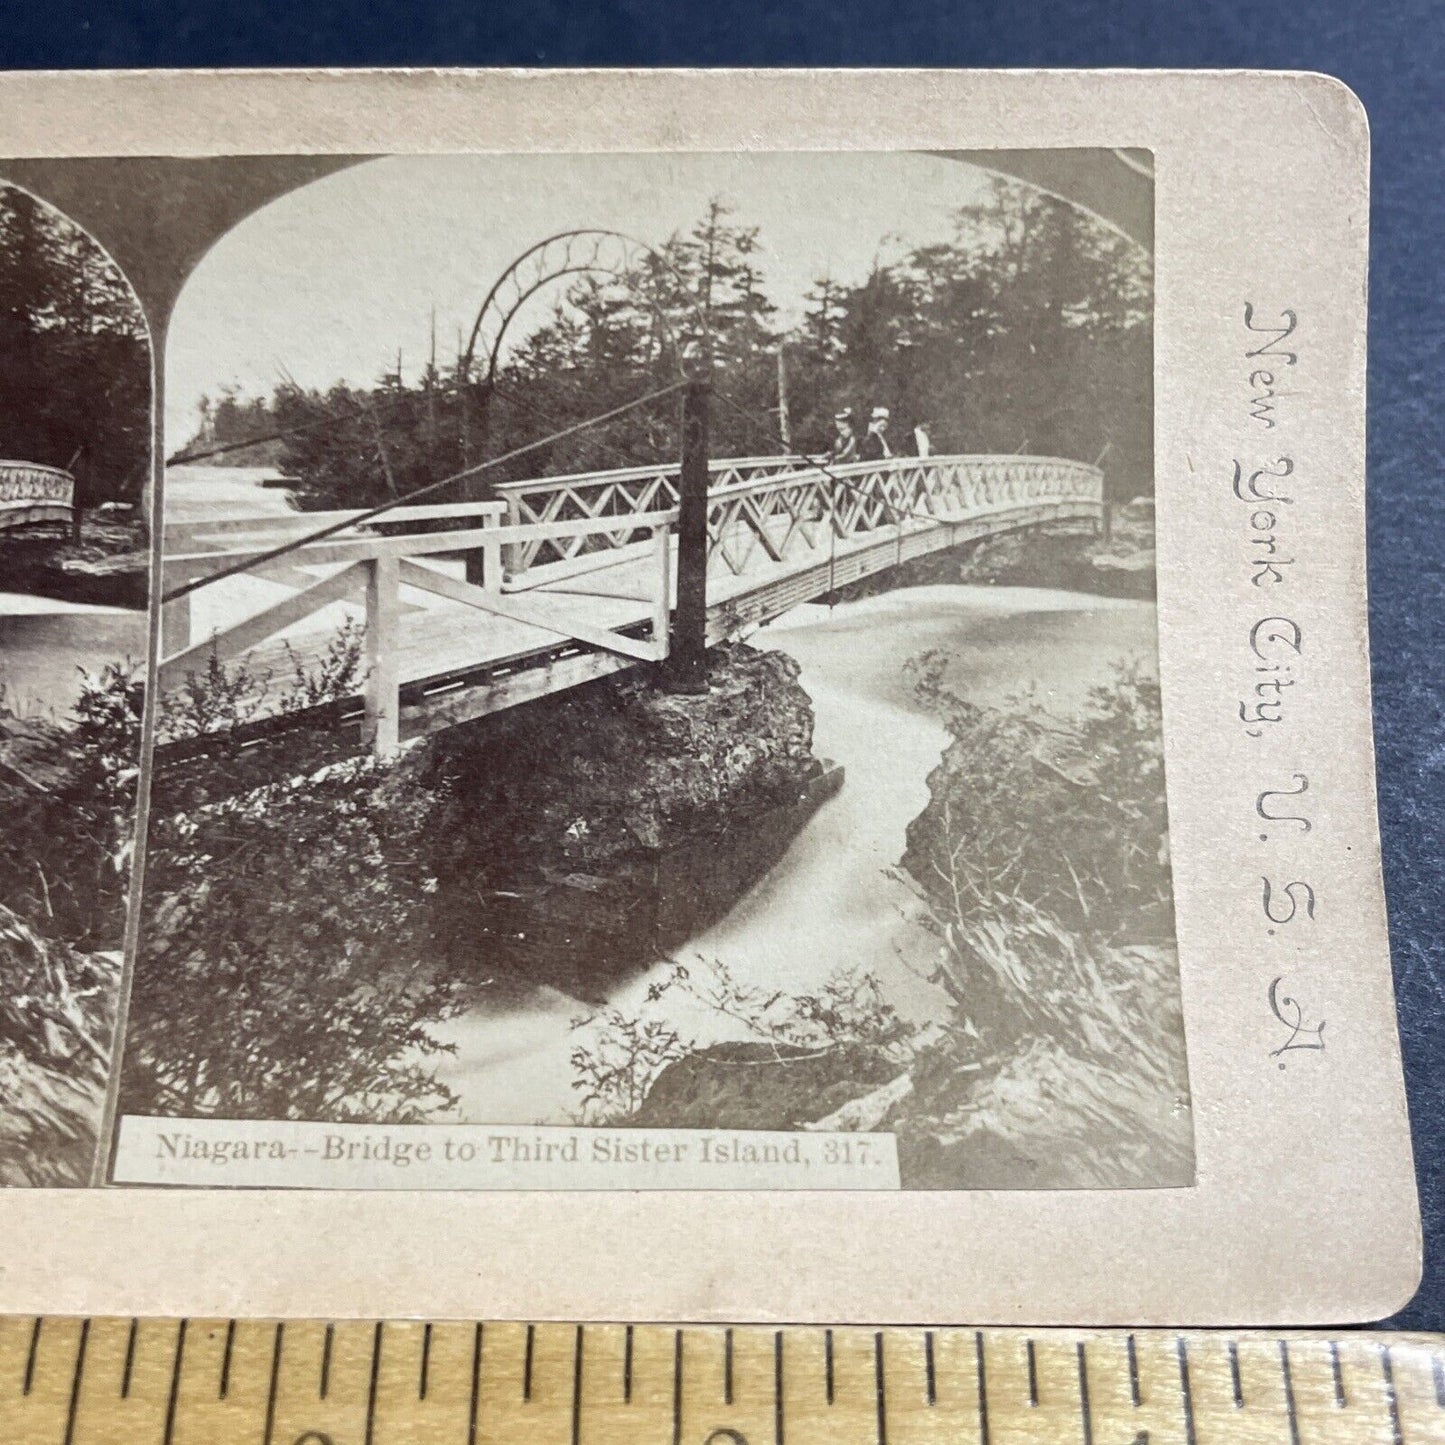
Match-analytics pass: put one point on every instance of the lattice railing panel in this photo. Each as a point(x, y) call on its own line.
point(590, 495)
point(778, 508)
point(786, 517)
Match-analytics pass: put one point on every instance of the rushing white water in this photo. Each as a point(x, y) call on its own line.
point(46, 645)
point(832, 902)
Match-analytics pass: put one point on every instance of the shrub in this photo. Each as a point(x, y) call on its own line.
point(56, 1014)
point(65, 851)
point(286, 966)
point(620, 1056)
point(1043, 853)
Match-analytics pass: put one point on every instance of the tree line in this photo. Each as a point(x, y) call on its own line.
point(74, 355)
point(1029, 329)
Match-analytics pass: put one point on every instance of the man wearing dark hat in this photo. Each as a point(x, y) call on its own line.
point(845, 439)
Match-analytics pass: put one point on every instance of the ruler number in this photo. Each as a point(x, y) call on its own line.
point(726, 1436)
point(313, 1437)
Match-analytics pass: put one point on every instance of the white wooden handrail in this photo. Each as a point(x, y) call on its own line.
point(414, 544)
point(382, 565)
point(570, 480)
point(286, 524)
point(894, 465)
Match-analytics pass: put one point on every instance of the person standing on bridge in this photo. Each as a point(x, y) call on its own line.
point(845, 439)
point(875, 446)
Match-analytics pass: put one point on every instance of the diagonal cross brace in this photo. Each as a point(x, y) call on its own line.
point(413, 574)
point(261, 625)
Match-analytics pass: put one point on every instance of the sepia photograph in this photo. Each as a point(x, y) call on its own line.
point(75, 395)
point(657, 642)
point(667, 642)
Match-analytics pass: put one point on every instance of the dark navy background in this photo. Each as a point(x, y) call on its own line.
point(1391, 53)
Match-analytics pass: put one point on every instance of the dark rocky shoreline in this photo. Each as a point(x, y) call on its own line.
point(579, 930)
point(107, 565)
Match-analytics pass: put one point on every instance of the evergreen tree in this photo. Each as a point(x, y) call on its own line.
point(74, 355)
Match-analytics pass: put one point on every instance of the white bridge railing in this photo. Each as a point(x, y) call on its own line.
point(376, 567)
point(30, 492)
point(752, 494)
point(619, 493)
point(789, 515)
point(766, 515)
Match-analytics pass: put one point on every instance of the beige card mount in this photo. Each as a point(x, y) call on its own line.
point(691, 695)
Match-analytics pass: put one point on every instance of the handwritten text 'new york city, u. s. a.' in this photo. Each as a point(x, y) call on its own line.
point(1264, 484)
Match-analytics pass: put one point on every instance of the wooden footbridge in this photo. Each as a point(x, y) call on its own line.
point(472, 607)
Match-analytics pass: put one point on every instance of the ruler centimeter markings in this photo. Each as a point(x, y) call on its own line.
point(312, 1382)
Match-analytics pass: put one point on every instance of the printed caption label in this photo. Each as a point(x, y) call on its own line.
point(288, 1154)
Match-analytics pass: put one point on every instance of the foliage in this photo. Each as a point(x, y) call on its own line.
point(1029, 328)
point(66, 849)
point(619, 1056)
point(337, 675)
point(285, 963)
point(220, 701)
point(1043, 853)
point(1079, 1049)
point(284, 970)
point(230, 415)
point(65, 852)
point(74, 354)
point(56, 1013)
point(1015, 972)
point(849, 1008)
point(69, 795)
point(1101, 865)
point(616, 1064)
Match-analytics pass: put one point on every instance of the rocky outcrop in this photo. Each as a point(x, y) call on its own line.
point(1120, 564)
point(107, 565)
point(760, 1085)
point(1068, 556)
point(33, 758)
point(1047, 1117)
point(623, 765)
point(579, 838)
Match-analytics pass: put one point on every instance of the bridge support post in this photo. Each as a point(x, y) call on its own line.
point(687, 650)
point(513, 553)
point(381, 725)
point(491, 578)
point(662, 603)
